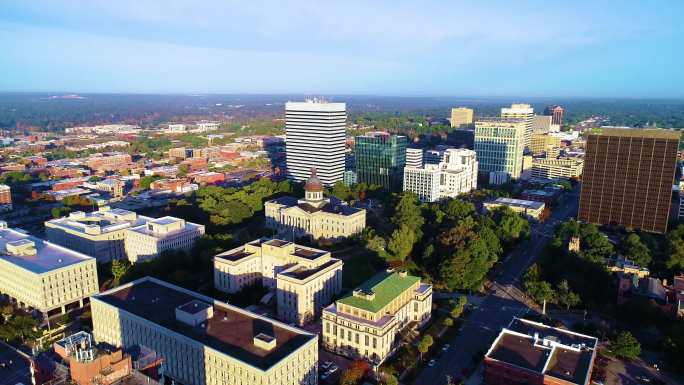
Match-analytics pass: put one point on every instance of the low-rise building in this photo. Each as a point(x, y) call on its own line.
point(149, 240)
point(315, 215)
point(305, 279)
point(528, 352)
point(5, 198)
point(455, 174)
point(562, 167)
point(43, 276)
point(530, 209)
point(366, 323)
point(99, 234)
point(204, 341)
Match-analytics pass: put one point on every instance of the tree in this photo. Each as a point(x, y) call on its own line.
point(596, 247)
point(424, 345)
point(457, 209)
point(183, 170)
point(401, 243)
point(341, 191)
point(146, 181)
point(448, 322)
point(634, 249)
point(21, 327)
point(408, 213)
point(355, 373)
point(458, 306)
point(390, 379)
point(565, 296)
point(119, 268)
point(511, 226)
point(626, 346)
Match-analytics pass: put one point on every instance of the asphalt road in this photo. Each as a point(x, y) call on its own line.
point(503, 301)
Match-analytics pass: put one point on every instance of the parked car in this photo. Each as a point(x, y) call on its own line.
point(431, 363)
point(445, 347)
point(326, 365)
point(333, 369)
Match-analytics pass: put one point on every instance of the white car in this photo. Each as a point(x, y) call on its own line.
point(326, 365)
point(431, 363)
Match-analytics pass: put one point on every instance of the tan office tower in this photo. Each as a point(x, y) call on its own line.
point(462, 117)
point(627, 178)
point(521, 111)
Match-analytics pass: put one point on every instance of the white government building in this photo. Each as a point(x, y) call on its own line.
point(455, 174)
point(315, 215)
point(315, 134)
point(204, 341)
point(100, 234)
point(305, 279)
point(366, 324)
point(156, 236)
point(43, 276)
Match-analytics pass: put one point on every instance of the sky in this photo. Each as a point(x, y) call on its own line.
point(579, 48)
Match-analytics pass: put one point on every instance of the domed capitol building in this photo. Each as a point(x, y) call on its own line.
point(315, 215)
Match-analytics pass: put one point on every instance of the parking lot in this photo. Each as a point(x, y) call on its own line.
point(340, 362)
point(14, 369)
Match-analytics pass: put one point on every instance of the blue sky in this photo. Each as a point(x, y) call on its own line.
point(625, 48)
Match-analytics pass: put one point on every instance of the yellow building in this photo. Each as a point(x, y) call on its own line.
point(204, 341)
point(305, 279)
point(541, 143)
point(43, 276)
point(99, 234)
point(557, 168)
point(462, 117)
point(366, 323)
point(315, 215)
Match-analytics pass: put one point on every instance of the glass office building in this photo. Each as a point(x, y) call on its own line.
point(380, 159)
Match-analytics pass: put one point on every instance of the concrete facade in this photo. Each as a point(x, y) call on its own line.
point(149, 240)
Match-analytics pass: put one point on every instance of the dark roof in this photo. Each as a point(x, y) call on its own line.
point(235, 255)
point(303, 273)
point(335, 206)
point(545, 350)
point(521, 352)
point(308, 253)
point(231, 330)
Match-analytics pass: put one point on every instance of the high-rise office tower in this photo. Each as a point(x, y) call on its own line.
point(315, 138)
point(461, 117)
point(627, 178)
point(414, 157)
point(380, 159)
point(556, 114)
point(521, 111)
point(499, 144)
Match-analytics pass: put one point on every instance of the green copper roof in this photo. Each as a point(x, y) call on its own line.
point(386, 286)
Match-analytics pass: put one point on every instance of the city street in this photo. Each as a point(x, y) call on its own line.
point(503, 301)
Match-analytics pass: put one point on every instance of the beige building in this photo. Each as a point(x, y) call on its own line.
point(455, 174)
point(305, 279)
point(521, 111)
point(366, 323)
point(43, 276)
point(204, 341)
point(541, 124)
point(149, 240)
point(462, 117)
point(567, 168)
point(99, 234)
point(541, 143)
point(315, 215)
point(529, 209)
point(499, 144)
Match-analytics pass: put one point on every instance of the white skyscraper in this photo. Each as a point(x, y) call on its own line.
point(315, 138)
point(414, 157)
point(521, 111)
point(455, 174)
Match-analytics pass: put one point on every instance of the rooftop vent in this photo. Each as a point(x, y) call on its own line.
point(264, 341)
point(365, 294)
point(3, 225)
point(22, 247)
point(194, 312)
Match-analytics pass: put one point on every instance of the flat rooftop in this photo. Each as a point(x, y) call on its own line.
point(658, 133)
point(144, 229)
point(545, 350)
point(519, 203)
point(308, 253)
point(302, 273)
point(48, 256)
point(104, 221)
point(234, 255)
point(231, 330)
point(384, 287)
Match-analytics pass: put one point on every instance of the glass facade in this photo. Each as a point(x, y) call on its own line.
point(380, 160)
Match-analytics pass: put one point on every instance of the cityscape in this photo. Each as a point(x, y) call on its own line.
point(259, 213)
